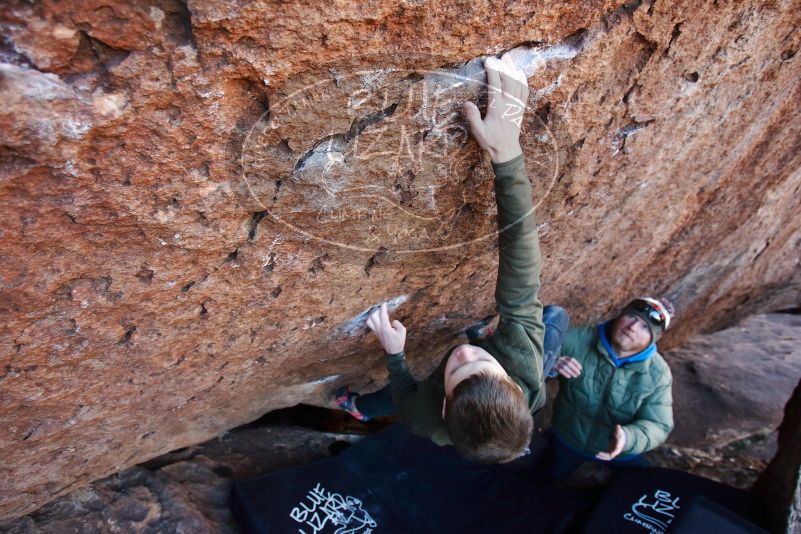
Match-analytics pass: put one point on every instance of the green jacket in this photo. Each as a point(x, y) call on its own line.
point(636, 396)
point(517, 341)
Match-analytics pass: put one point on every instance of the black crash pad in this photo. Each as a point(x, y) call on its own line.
point(396, 482)
point(657, 500)
point(699, 515)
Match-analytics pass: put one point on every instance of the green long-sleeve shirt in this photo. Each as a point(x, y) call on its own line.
point(517, 342)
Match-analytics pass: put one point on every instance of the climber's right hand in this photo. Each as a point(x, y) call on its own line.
point(567, 367)
point(391, 335)
point(498, 133)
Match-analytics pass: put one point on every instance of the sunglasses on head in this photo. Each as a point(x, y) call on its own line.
point(654, 315)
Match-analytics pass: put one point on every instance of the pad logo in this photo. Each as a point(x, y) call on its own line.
point(331, 512)
point(654, 514)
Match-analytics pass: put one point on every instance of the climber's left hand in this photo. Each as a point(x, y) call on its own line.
point(391, 335)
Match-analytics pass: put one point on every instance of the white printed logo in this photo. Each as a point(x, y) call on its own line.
point(654, 515)
point(327, 509)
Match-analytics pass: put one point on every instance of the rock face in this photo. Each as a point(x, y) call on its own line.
point(201, 199)
point(184, 491)
point(743, 375)
point(780, 484)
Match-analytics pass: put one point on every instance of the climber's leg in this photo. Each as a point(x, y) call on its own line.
point(556, 322)
point(365, 407)
point(479, 330)
point(376, 404)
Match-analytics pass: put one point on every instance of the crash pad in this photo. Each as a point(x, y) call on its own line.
point(394, 481)
point(655, 500)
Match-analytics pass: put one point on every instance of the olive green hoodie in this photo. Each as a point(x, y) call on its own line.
point(517, 342)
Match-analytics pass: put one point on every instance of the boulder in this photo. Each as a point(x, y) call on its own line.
point(734, 383)
point(779, 486)
point(202, 199)
point(182, 491)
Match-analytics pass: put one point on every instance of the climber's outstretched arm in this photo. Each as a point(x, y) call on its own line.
point(519, 261)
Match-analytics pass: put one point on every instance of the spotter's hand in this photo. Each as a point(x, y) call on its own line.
point(616, 445)
point(391, 335)
point(499, 132)
point(567, 367)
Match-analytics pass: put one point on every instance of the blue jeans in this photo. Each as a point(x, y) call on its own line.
point(560, 460)
point(556, 322)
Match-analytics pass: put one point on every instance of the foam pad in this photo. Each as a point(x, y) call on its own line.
point(650, 500)
point(396, 482)
point(701, 516)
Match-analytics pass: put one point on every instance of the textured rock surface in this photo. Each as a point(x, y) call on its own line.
point(154, 292)
point(744, 375)
point(780, 484)
point(184, 491)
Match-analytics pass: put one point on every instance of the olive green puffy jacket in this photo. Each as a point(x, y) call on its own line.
point(636, 396)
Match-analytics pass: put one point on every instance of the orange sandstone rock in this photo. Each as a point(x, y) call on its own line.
point(200, 200)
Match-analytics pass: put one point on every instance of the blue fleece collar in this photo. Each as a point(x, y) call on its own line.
point(643, 355)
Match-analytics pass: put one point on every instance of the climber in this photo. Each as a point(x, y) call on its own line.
point(481, 397)
point(615, 401)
